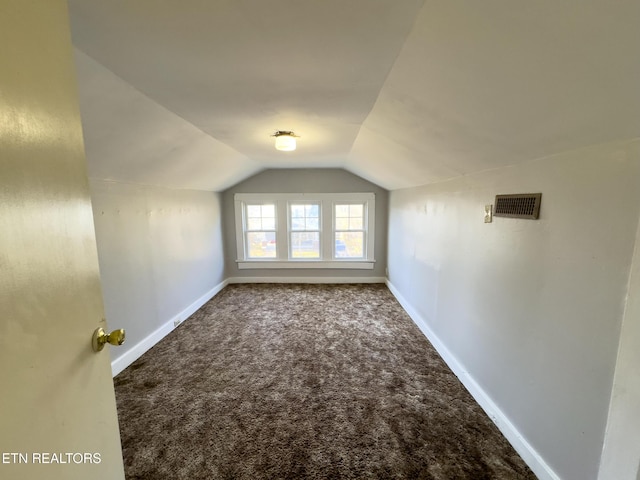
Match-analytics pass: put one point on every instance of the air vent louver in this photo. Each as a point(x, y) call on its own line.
point(521, 205)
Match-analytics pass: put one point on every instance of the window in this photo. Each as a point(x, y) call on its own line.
point(260, 231)
point(305, 230)
point(349, 230)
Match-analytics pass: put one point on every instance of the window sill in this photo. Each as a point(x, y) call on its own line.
point(337, 264)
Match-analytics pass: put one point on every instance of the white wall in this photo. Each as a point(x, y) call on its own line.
point(160, 250)
point(621, 455)
point(532, 310)
point(131, 138)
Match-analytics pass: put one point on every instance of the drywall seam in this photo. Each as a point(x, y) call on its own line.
point(531, 457)
point(135, 352)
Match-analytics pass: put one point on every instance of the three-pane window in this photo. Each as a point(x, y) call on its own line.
point(305, 230)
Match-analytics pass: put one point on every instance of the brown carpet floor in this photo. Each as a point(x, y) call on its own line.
point(303, 382)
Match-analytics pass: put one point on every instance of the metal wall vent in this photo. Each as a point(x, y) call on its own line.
point(520, 205)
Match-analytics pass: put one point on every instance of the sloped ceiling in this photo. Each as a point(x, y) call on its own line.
point(401, 92)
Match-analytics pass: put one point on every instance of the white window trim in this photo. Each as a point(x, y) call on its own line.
point(290, 229)
point(327, 209)
point(246, 232)
point(364, 229)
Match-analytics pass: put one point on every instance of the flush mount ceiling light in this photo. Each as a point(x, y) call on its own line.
point(285, 140)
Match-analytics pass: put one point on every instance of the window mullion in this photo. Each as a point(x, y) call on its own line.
point(282, 234)
point(326, 210)
point(289, 229)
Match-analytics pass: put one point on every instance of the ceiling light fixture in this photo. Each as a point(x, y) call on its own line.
point(285, 140)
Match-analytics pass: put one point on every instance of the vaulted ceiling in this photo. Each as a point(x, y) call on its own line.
point(186, 93)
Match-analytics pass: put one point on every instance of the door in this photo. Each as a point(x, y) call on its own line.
point(57, 406)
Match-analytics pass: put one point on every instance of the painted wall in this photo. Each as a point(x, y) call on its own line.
point(532, 310)
point(329, 180)
point(621, 455)
point(159, 251)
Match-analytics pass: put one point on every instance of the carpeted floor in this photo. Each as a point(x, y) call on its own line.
point(303, 382)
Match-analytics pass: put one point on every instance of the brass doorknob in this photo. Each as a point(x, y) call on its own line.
point(100, 338)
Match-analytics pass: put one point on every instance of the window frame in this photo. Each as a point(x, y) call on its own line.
point(247, 230)
point(364, 229)
point(327, 202)
point(291, 230)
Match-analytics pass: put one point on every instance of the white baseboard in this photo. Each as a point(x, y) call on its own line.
point(537, 464)
point(306, 280)
point(137, 350)
point(193, 308)
point(531, 457)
